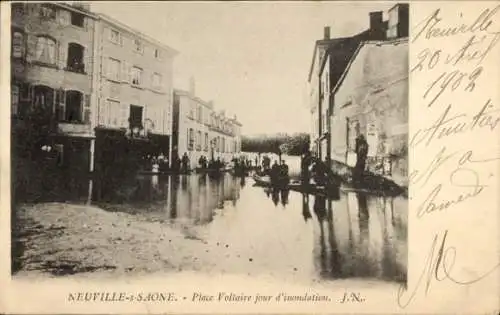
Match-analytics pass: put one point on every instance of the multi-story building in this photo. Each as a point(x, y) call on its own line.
point(200, 130)
point(331, 56)
point(352, 95)
point(54, 75)
point(101, 84)
point(135, 91)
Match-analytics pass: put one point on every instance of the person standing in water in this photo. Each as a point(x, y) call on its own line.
point(185, 163)
point(361, 155)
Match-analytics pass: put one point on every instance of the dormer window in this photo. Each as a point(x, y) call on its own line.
point(77, 19)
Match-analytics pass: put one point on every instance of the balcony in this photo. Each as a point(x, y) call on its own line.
point(75, 129)
point(76, 67)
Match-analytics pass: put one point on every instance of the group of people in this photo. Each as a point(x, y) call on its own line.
point(321, 170)
point(279, 174)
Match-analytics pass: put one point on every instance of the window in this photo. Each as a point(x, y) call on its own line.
point(14, 99)
point(17, 44)
point(206, 142)
point(115, 37)
point(223, 145)
point(114, 69)
point(190, 139)
point(138, 46)
point(116, 114)
point(198, 141)
point(135, 117)
point(74, 101)
point(47, 11)
point(77, 19)
point(75, 58)
point(191, 111)
point(199, 113)
point(136, 75)
point(43, 98)
point(17, 11)
point(64, 17)
point(45, 50)
point(156, 81)
point(157, 53)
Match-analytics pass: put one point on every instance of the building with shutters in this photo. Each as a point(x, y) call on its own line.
point(352, 95)
point(200, 130)
point(135, 94)
point(54, 74)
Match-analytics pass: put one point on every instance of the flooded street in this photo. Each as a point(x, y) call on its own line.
point(240, 228)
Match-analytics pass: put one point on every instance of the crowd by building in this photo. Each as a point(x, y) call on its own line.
point(107, 92)
point(358, 91)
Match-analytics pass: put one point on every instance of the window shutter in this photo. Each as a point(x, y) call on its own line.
point(108, 68)
point(124, 115)
point(62, 54)
point(86, 108)
point(31, 47)
point(62, 104)
point(125, 72)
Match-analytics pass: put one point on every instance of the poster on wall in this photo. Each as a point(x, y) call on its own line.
point(372, 139)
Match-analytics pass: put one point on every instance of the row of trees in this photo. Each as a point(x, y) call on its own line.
point(280, 143)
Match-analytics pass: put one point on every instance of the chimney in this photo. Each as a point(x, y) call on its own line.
point(377, 30)
point(192, 86)
point(326, 32)
point(398, 21)
point(81, 5)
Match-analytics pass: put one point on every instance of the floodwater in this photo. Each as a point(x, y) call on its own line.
point(357, 236)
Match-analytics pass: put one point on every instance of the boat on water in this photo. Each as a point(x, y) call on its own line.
point(332, 191)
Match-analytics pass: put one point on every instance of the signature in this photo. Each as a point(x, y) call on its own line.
point(438, 267)
point(447, 125)
point(431, 26)
point(474, 189)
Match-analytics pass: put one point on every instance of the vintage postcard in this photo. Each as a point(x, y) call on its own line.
point(250, 157)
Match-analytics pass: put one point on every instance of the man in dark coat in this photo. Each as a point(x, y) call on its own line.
point(185, 162)
point(361, 155)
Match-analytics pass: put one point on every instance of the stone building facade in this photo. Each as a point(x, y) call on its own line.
point(200, 130)
point(135, 94)
point(342, 69)
point(54, 74)
point(373, 101)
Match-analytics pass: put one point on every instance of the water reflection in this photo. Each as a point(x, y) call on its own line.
point(362, 241)
point(358, 235)
point(189, 197)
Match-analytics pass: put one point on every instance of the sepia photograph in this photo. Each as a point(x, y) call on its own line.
point(257, 139)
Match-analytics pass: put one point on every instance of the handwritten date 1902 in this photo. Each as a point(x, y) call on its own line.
point(452, 81)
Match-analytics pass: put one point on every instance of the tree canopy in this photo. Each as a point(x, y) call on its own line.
point(294, 144)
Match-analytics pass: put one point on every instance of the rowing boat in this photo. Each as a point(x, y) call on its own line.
point(332, 192)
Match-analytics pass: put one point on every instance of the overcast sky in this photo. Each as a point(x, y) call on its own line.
point(251, 59)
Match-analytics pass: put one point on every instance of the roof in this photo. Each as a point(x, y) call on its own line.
point(195, 98)
point(345, 71)
point(75, 9)
point(321, 42)
point(126, 28)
